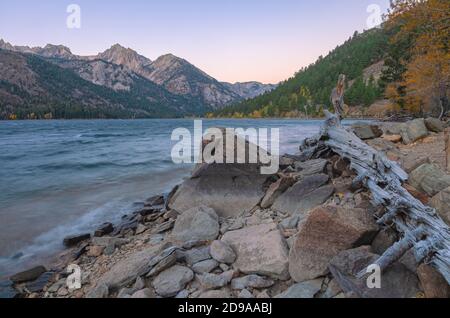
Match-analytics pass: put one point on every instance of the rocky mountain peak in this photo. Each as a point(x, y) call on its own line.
point(50, 50)
point(127, 57)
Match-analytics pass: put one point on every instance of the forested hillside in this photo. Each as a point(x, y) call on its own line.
point(413, 44)
point(311, 86)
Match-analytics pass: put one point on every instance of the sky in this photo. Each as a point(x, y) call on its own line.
point(231, 40)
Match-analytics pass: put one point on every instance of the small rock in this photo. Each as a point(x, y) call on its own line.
point(104, 229)
point(183, 294)
point(367, 131)
point(302, 290)
point(141, 229)
point(206, 266)
point(62, 292)
point(75, 239)
point(245, 294)
point(216, 294)
point(260, 249)
point(433, 283)
point(28, 275)
point(144, 293)
point(393, 138)
point(252, 281)
point(39, 284)
point(434, 125)
point(196, 255)
point(100, 291)
point(139, 284)
point(196, 224)
point(172, 280)
point(263, 295)
point(441, 202)
point(164, 227)
point(275, 190)
point(7, 291)
point(222, 252)
point(95, 251)
point(430, 179)
point(213, 281)
point(155, 201)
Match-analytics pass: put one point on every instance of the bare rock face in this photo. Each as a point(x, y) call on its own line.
point(327, 231)
point(441, 202)
point(260, 249)
point(304, 195)
point(396, 282)
point(430, 179)
point(197, 224)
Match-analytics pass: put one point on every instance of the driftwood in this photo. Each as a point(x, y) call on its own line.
point(421, 227)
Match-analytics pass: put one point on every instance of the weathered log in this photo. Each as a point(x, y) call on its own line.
point(422, 228)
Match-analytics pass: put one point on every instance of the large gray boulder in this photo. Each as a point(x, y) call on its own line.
point(413, 131)
point(229, 188)
point(441, 202)
point(434, 125)
point(397, 281)
point(429, 178)
point(327, 231)
point(196, 224)
point(304, 195)
point(260, 249)
point(172, 280)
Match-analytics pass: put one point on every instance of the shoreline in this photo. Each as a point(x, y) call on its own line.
point(151, 226)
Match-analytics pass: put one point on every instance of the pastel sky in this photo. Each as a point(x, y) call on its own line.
point(232, 40)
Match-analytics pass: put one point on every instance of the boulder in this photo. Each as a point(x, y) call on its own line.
point(71, 241)
point(260, 249)
point(413, 131)
point(441, 202)
point(229, 188)
point(302, 290)
point(411, 162)
point(28, 275)
point(327, 231)
point(251, 281)
point(275, 190)
point(367, 131)
point(222, 252)
point(434, 125)
point(433, 283)
point(429, 178)
point(196, 224)
point(304, 195)
point(172, 280)
point(396, 281)
point(127, 270)
point(196, 255)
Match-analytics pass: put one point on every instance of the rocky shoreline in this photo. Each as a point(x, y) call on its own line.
point(230, 232)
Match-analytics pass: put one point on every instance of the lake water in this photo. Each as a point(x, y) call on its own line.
point(59, 178)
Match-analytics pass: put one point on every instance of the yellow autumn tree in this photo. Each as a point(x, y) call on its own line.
point(426, 80)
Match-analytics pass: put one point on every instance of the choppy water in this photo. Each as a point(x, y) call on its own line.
point(65, 177)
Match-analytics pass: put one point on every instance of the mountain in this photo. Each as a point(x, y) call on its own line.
point(123, 70)
point(33, 87)
point(360, 58)
point(250, 89)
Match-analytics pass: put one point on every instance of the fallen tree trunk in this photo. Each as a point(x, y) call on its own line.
point(421, 227)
